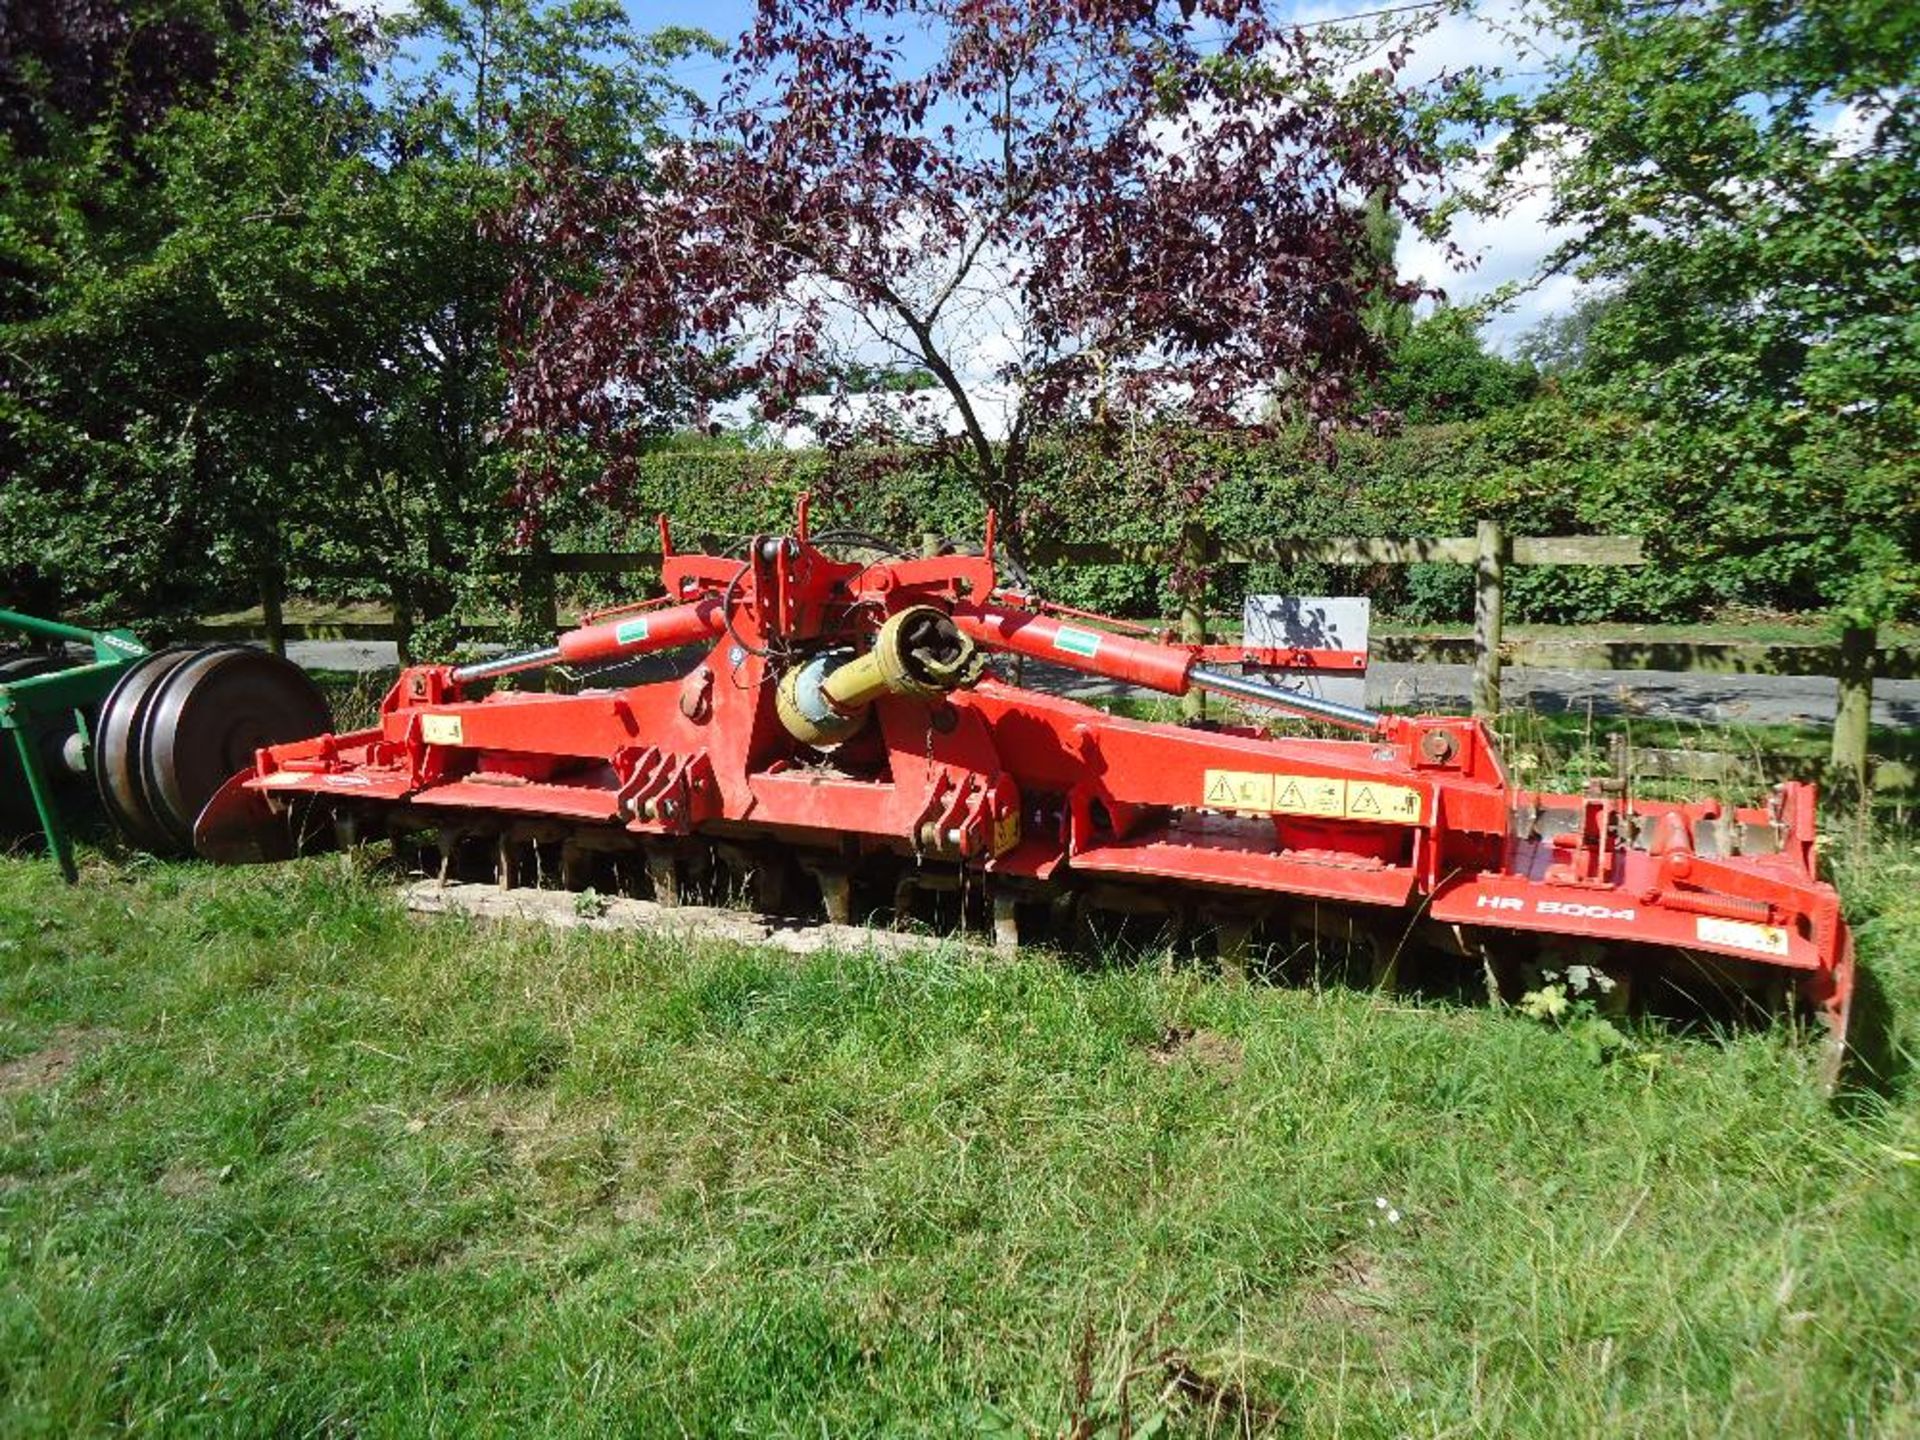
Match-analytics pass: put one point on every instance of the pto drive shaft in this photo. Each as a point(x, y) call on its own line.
point(918, 653)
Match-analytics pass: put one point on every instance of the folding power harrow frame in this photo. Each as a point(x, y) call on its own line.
point(837, 745)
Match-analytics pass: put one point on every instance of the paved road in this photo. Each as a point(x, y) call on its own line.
point(1691, 695)
point(1749, 699)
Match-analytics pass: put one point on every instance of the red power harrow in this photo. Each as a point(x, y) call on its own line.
point(840, 748)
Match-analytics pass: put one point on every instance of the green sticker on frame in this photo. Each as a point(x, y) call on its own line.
point(1075, 641)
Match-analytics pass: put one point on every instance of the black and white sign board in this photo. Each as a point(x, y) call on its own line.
point(1311, 622)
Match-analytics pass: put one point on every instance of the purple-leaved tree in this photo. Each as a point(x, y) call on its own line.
point(1070, 213)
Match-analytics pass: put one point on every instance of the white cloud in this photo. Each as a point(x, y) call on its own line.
point(1851, 128)
point(1503, 33)
point(1496, 250)
point(1499, 249)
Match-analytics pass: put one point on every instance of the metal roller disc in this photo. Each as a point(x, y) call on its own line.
point(117, 742)
point(208, 717)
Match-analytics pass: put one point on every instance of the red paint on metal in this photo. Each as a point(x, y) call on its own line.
point(1006, 781)
point(1079, 647)
point(1325, 662)
point(642, 634)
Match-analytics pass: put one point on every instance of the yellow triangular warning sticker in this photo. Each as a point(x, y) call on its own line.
point(1248, 791)
point(1376, 800)
point(1291, 798)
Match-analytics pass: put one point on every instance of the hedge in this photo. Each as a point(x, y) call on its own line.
point(1540, 469)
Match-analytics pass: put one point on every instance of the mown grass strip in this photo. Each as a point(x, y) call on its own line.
point(274, 1158)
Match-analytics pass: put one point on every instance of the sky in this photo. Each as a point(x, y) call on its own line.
point(1511, 246)
point(1497, 251)
point(1504, 249)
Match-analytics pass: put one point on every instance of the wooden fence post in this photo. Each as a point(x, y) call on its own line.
point(1194, 549)
point(1492, 542)
point(1853, 707)
point(403, 621)
point(539, 605)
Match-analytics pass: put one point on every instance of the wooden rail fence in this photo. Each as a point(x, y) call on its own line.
point(1852, 663)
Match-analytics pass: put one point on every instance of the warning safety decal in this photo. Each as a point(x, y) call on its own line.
point(1742, 934)
point(441, 729)
point(1316, 795)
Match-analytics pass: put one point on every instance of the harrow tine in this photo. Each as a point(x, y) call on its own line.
point(1063, 919)
point(1006, 920)
point(836, 889)
point(576, 866)
point(1385, 973)
point(663, 871)
point(1231, 933)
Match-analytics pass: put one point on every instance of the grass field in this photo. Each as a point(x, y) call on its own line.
point(277, 1159)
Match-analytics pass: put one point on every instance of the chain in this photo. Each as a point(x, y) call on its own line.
point(919, 853)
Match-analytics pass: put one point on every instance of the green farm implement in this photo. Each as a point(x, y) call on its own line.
point(148, 735)
point(49, 705)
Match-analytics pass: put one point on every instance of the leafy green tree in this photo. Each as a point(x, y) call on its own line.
point(470, 81)
point(100, 423)
point(1743, 173)
point(1440, 371)
point(1387, 310)
point(1559, 343)
point(261, 331)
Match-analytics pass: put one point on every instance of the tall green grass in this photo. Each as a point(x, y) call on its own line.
point(275, 1159)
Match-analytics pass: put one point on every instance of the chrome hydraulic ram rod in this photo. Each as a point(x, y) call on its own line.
point(695, 622)
point(1260, 692)
point(1138, 661)
point(506, 665)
